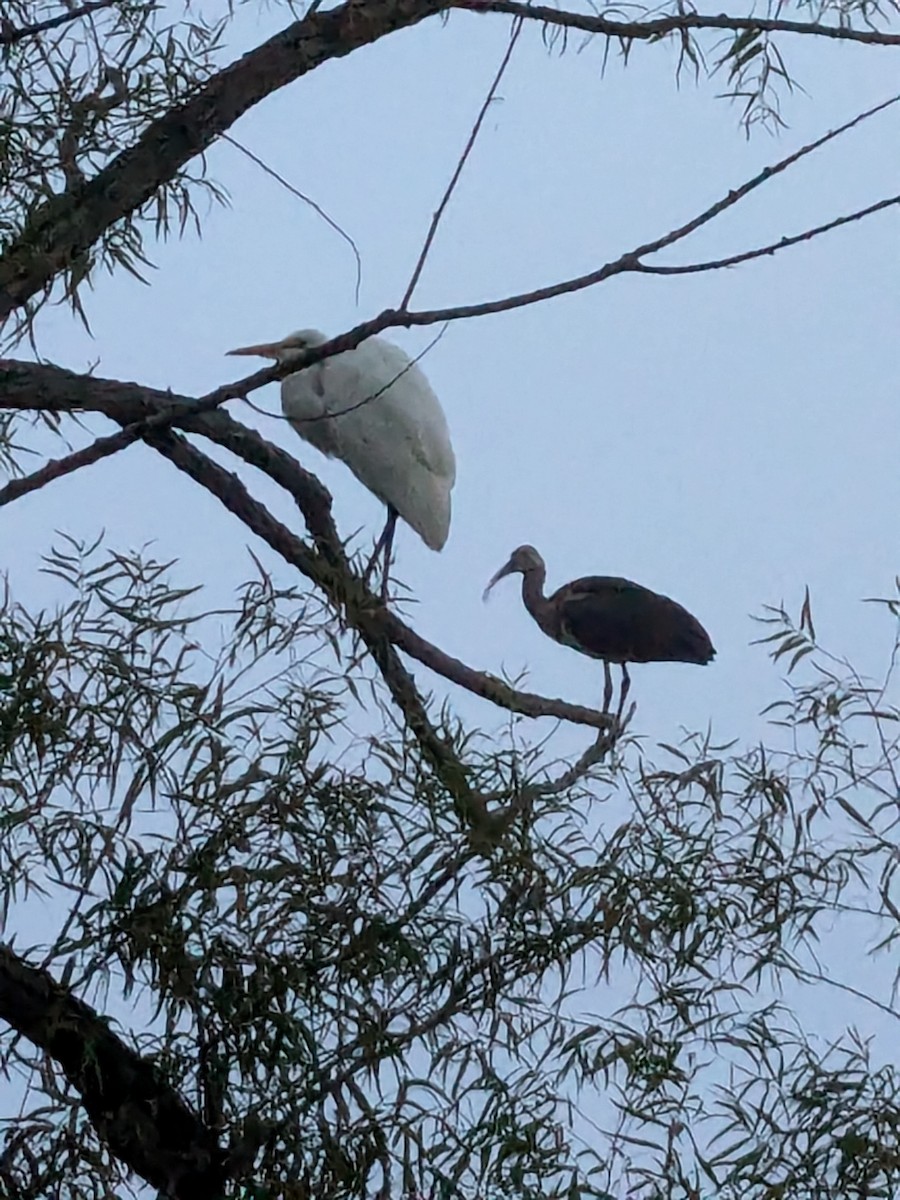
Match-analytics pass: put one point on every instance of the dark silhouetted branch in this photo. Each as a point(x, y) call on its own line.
point(736, 260)
point(67, 225)
point(658, 27)
point(142, 1120)
point(362, 610)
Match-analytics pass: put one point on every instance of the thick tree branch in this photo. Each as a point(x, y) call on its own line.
point(142, 1120)
point(673, 23)
point(35, 387)
point(70, 223)
point(113, 443)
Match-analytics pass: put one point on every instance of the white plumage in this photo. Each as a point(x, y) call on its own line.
point(373, 408)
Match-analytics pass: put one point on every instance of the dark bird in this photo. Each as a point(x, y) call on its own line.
point(609, 618)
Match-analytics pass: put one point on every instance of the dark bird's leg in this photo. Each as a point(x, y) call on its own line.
point(385, 546)
point(626, 684)
point(607, 686)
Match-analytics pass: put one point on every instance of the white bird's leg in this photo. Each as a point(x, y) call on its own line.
point(607, 686)
point(388, 551)
point(384, 545)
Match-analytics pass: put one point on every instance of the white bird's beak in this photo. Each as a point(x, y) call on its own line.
point(262, 350)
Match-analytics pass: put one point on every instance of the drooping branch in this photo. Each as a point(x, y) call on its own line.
point(70, 223)
point(143, 1121)
point(658, 27)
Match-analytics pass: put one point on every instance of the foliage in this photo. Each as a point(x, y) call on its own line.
point(326, 967)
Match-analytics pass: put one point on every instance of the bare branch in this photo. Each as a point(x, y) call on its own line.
point(488, 686)
point(629, 262)
point(69, 224)
point(104, 447)
point(467, 149)
point(9, 34)
point(362, 610)
point(748, 255)
point(674, 23)
point(142, 1120)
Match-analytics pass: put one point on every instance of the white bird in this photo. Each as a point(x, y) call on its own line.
point(373, 408)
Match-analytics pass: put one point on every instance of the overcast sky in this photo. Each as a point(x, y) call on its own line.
point(726, 438)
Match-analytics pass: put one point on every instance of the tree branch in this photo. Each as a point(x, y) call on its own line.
point(673, 23)
point(70, 223)
point(10, 34)
point(142, 1120)
point(631, 262)
point(348, 594)
point(36, 387)
point(455, 177)
point(735, 260)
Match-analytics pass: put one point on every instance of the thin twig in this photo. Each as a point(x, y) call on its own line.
point(39, 387)
point(467, 149)
point(317, 208)
point(630, 262)
point(763, 251)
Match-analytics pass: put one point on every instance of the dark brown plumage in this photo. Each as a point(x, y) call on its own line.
point(609, 618)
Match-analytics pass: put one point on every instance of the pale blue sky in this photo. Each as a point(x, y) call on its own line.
point(726, 438)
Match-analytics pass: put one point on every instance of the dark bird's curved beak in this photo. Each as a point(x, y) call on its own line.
point(506, 569)
point(262, 350)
